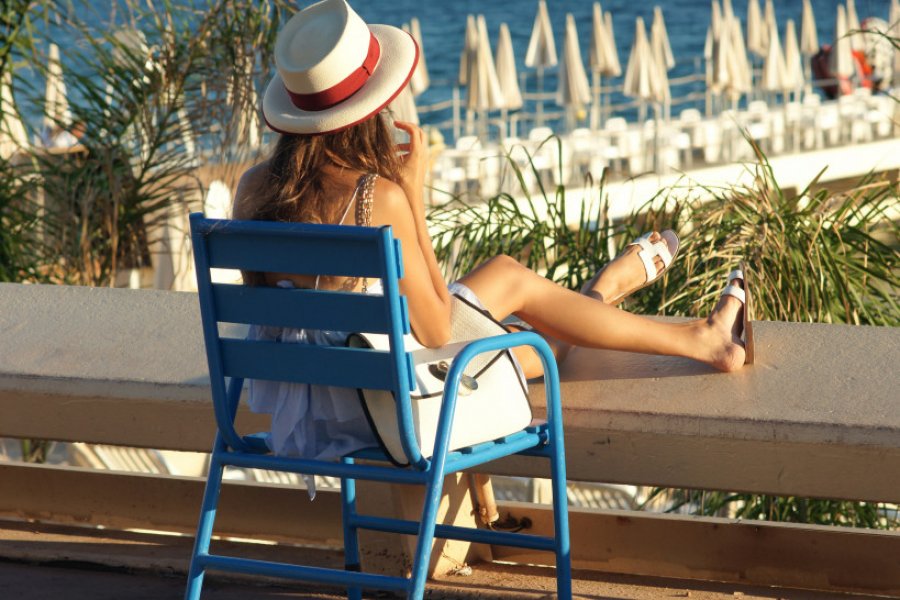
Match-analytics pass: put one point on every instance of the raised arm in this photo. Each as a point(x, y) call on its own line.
point(402, 207)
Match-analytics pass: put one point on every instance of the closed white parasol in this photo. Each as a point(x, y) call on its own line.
point(792, 59)
point(659, 36)
point(506, 70)
point(774, 75)
point(755, 36)
point(13, 136)
point(56, 105)
point(507, 73)
point(841, 57)
point(470, 46)
point(857, 40)
point(614, 68)
point(420, 79)
point(541, 52)
point(573, 91)
point(809, 36)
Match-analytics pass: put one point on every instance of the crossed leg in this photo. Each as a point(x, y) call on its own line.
point(569, 318)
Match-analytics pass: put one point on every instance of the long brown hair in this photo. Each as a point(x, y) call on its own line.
point(295, 183)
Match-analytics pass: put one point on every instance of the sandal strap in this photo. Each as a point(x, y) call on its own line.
point(736, 274)
point(646, 257)
point(736, 292)
point(646, 254)
point(662, 250)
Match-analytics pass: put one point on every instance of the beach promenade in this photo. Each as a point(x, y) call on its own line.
point(819, 401)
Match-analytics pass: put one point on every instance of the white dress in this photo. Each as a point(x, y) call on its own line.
point(310, 421)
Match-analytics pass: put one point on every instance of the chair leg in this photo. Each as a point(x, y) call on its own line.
point(205, 526)
point(561, 521)
point(422, 557)
point(351, 536)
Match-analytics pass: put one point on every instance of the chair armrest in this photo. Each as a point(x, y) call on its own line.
point(499, 342)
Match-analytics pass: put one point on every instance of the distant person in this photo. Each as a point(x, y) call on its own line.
point(336, 162)
point(872, 64)
point(58, 140)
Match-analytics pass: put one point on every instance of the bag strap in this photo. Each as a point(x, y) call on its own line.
point(364, 208)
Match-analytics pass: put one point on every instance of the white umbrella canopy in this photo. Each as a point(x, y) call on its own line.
point(246, 107)
point(769, 22)
point(573, 90)
point(715, 18)
point(661, 91)
point(403, 107)
point(640, 71)
point(614, 68)
point(755, 37)
point(740, 79)
point(56, 105)
point(660, 40)
point(712, 34)
point(469, 49)
point(600, 59)
point(774, 74)
point(857, 40)
point(598, 55)
point(809, 36)
point(506, 70)
point(894, 21)
point(420, 79)
point(13, 136)
point(792, 60)
point(727, 10)
point(715, 51)
point(483, 84)
point(841, 58)
point(541, 51)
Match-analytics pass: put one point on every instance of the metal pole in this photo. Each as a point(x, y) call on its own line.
point(539, 118)
point(457, 124)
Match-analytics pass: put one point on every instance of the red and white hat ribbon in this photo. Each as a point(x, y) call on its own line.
point(342, 90)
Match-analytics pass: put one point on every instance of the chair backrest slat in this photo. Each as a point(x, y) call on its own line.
point(277, 251)
point(305, 363)
point(300, 308)
point(302, 249)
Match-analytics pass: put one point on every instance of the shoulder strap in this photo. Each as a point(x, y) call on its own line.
point(359, 185)
point(364, 204)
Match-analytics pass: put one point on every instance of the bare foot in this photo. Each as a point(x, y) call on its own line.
point(625, 272)
point(719, 343)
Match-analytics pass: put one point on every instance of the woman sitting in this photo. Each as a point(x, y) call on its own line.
point(336, 162)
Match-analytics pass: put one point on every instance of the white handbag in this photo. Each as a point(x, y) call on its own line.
point(493, 395)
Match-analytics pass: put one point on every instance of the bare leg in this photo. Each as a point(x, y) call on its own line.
point(506, 287)
point(624, 272)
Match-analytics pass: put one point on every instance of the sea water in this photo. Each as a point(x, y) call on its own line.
point(443, 25)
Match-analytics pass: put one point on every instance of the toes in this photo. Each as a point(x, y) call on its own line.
point(659, 264)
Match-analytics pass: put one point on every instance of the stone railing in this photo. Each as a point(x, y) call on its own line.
point(816, 416)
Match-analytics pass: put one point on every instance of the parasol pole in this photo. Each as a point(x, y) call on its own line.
point(595, 104)
point(539, 117)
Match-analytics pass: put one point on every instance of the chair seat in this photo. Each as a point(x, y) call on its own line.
point(535, 434)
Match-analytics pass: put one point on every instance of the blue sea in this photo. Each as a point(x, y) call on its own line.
point(443, 28)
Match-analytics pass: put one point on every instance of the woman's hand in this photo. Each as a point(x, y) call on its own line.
point(415, 160)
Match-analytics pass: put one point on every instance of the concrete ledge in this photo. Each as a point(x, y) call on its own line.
point(128, 367)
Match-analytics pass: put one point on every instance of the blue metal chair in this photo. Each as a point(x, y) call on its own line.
point(355, 252)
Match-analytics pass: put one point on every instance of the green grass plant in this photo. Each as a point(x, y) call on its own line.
point(815, 255)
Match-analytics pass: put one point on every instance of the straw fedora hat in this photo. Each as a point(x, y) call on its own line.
point(334, 70)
